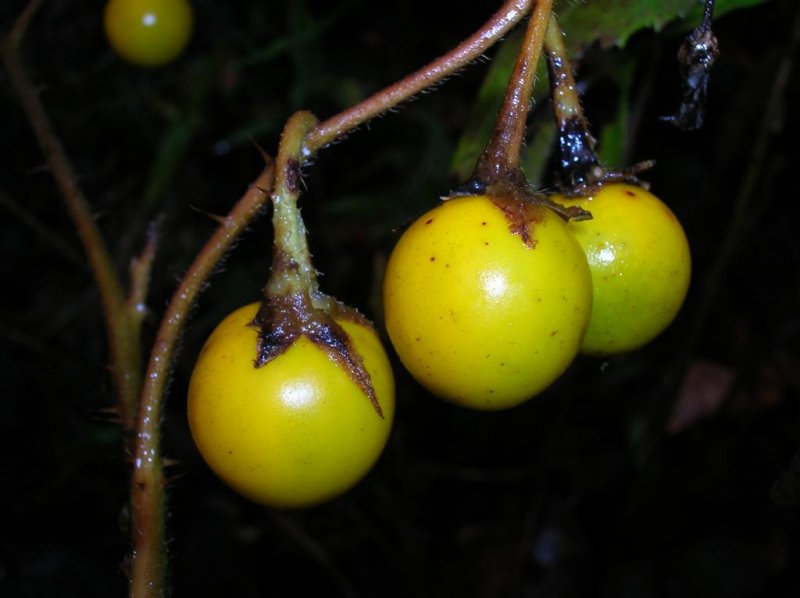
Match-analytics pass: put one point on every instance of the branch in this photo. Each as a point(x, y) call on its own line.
point(122, 338)
point(148, 566)
point(470, 49)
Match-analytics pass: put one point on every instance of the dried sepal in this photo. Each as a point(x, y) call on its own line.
point(598, 176)
point(696, 56)
point(284, 318)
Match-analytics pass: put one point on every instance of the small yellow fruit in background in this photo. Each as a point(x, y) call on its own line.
point(148, 32)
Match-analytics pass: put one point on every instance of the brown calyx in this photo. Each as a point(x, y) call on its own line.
point(285, 317)
point(510, 191)
point(597, 176)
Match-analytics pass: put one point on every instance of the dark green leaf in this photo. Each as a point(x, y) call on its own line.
point(613, 22)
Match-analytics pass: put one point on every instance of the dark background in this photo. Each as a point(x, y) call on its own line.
point(662, 473)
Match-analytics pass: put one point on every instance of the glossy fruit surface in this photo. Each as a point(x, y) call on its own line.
point(640, 262)
point(148, 32)
point(297, 431)
point(478, 316)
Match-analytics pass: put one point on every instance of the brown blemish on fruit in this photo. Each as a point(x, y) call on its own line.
point(629, 193)
point(429, 220)
point(522, 217)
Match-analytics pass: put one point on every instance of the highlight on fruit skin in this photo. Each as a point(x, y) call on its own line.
point(640, 261)
point(148, 33)
point(482, 312)
point(297, 431)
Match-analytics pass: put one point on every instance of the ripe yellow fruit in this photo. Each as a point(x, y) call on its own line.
point(640, 262)
point(477, 315)
point(297, 431)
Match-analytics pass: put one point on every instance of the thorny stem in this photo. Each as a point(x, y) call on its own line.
point(470, 49)
point(148, 565)
point(122, 328)
point(581, 171)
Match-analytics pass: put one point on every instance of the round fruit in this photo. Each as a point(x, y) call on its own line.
point(148, 32)
point(478, 315)
point(640, 262)
point(295, 432)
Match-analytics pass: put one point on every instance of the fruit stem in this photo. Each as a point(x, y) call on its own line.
point(500, 160)
point(578, 158)
point(581, 171)
point(292, 270)
point(467, 51)
point(498, 172)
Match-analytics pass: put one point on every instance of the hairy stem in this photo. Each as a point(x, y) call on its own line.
point(470, 49)
point(148, 566)
point(291, 261)
point(502, 153)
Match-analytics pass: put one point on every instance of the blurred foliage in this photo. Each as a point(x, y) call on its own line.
point(642, 475)
point(613, 22)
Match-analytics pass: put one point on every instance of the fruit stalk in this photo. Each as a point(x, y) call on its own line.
point(581, 171)
point(292, 270)
point(498, 173)
point(500, 159)
point(578, 158)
